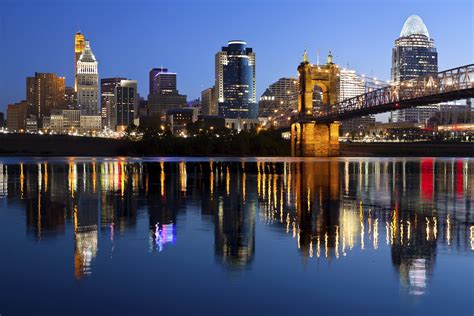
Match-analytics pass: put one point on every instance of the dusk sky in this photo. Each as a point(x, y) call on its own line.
point(131, 37)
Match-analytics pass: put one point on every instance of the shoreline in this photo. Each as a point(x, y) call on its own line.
point(29, 145)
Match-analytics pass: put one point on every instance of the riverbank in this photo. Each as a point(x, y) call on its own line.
point(63, 145)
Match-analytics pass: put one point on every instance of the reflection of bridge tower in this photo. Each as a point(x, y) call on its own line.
point(317, 195)
point(309, 138)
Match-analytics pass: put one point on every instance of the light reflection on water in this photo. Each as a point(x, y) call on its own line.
point(410, 210)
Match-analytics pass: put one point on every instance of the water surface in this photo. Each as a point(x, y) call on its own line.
point(236, 236)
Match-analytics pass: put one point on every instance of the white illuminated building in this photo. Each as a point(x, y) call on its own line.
point(88, 82)
point(350, 86)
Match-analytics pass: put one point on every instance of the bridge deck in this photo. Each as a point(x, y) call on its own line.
point(448, 85)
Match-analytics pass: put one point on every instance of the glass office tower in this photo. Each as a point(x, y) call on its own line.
point(414, 55)
point(235, 81)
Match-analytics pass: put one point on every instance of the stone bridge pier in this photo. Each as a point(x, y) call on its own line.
point(311, 139)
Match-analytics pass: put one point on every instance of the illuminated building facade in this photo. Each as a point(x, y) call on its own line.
point(79, 44)
point(235, 81)
point(88, 82)
point(456, 112)
point(351, 85)
point(107, 101)
point(280, 101)
point(71, 120)
point(31, 124)
point(164, 94)
point(179, 118)
point(90, 124)
point(209, 101)
point(126, 103)
point(70, 97)
point(162, 81)
point(16, 116)
point(414, 55)
point(44, 92)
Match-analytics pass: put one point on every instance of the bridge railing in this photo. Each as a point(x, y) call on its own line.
point(452, 80)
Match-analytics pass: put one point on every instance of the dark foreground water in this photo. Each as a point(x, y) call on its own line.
point(254, 236)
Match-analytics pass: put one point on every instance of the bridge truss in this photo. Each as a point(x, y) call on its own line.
point(448, 85)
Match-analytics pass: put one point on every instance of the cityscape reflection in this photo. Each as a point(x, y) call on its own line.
point(331, 208)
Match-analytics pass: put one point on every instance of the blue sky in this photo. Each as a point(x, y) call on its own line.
point(131, 37)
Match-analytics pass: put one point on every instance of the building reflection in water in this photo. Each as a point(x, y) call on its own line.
point(330, 207)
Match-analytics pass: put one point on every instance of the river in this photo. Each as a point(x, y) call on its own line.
point(251, 236)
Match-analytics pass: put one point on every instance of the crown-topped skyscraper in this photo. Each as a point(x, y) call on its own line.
point(88, 82)
point(414, 55)
point(78, 48)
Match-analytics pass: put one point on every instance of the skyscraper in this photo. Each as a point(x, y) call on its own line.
point(281, 96)
point(70, 97)
point(209, 101)
point(164, 94)
point(414, 55)
point(126, 103)
point(16, 116)
point(87, 82)
point(78, 48)
point(162, 81)
point(235, 81)
point(44, 92)
point(107, 100)
point(352, 85)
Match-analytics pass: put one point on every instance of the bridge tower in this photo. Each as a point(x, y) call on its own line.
point(308, 137)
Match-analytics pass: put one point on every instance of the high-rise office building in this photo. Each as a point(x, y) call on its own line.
point(164, 94)
point(281, 96)
point(126, 103)
point(107, 100)
point(279, 101)
point(44, 92)
point(209, 101)
point(16, 116)
point(235, 81)
point(352, 85)
point(88, 82)
point(414, 55)
point(162, 81)
point(78, 48)
point(70, 97)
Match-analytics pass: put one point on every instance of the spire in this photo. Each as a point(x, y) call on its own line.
point(87, 54)
point(330, 58)
point(305, 57)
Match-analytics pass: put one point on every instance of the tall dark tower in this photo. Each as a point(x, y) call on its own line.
point(235, 81)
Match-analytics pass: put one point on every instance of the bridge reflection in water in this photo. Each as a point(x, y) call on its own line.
point(329, 207)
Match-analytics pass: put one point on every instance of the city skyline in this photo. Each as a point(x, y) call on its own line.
point(57, 55)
